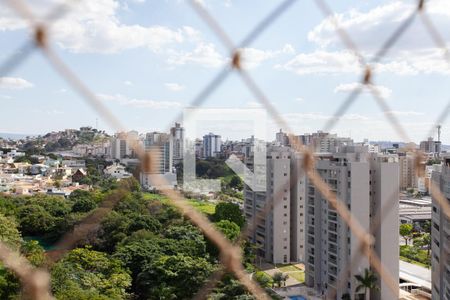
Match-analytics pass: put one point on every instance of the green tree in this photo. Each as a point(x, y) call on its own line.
point(230, 229)
point(277, 279)
point(406, 230)
point(9, 284)
point(184, 232)
point(84, 204)
point(368, 281)
point(423, 241)
point(174, 277)
point(229, 211)
point(35, 220)
point(236, 182)
point(33, 252)
point(9, 233)
point(138, 253)
point(263, 279)
point(426, 226)
point(87, 273)
point(130, 184)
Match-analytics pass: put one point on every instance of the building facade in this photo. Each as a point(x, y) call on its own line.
point(440, 237)
point(408, 177)
point(157, 166)
point(278, 229)
point(212, 145)
point(123, 144)
point(365, 182)
point(177, 137)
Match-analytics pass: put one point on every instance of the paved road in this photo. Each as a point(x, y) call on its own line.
point(415, 274)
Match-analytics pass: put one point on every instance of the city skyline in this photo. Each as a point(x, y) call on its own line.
point(148, 81)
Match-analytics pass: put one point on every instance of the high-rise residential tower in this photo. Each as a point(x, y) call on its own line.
point(440, 236)
point(177, 136)
point(278, 231)
point(365, 182)
point(212, 144)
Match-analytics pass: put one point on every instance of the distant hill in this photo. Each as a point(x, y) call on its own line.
point(15, 136)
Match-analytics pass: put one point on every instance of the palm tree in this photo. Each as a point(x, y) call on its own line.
point(366, 282)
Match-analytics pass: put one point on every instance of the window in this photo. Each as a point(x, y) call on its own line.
point(436, 226)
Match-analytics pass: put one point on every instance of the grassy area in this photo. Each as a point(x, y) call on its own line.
point(202, 206)
point(151, 196)
point(299, 276)
point(414, 262)
point(414, 255)
point(205, 207)
point(293, 272)
point(288, 268)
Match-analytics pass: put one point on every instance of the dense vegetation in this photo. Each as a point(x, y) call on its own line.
point(419, 251)
point(143, 249)
point(216, 168)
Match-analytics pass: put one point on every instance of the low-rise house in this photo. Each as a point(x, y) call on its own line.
point(78, 175)
point(117, 171)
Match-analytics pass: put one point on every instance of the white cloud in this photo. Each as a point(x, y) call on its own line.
point(252, 57)
point(205, 54)
point(14, 83)
point(127, 82)
point(412, 54)
point(299, 99)
point(139, 103)
point(253, 104)
point(176, 87)
point(94, 27)
point(315, 116)
point(385, 92)
point(322, 62)
point(404, 113)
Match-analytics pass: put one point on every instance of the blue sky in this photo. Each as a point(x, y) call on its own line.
point(148, 59)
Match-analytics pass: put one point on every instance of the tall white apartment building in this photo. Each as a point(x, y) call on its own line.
point(279, 231)
point(122, 144)
point(408, 178)
point(365, 182)
point(212, 144)
point(177, 136)
point(440, 236)
point(157, 166)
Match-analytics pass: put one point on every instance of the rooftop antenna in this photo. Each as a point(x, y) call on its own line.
point(439, 132)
